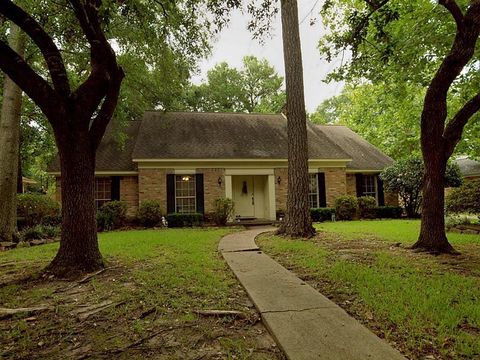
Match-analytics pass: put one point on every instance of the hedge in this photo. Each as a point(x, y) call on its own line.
point(321, 214)
point(388, 212)
point(176, 220)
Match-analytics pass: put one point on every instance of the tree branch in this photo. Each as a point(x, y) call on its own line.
point(44, 42)
point(453, 131)
point(28, 80)
point(455, 11)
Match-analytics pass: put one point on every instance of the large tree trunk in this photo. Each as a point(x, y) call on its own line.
point(298, 222)
point(9, 144)
point(79, 250)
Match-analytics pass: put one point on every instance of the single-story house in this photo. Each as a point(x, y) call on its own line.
point(186, 160)
point(469, 168)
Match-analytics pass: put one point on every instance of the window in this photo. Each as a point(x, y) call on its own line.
point(369, 187)
point(103, 191)
point(185, 194)
point(313, 191)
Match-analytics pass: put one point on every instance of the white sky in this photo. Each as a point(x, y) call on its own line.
point(236, 41)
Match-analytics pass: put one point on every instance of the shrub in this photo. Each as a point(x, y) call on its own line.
point(39, 232)
point(34, 208)
point(223, 210)
point(460, 219)
point(184, 220)
point(321, 214)
point(111, 215)
point(346, 207)
point(52, 220)
point(388, 212)
point(366, 207)
point(465, 199)
point(149, 213)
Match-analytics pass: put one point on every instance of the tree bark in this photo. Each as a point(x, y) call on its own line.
point(79, 250)
point(9, 144)
point(298, 222)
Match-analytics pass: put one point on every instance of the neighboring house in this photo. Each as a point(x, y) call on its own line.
point(469, 168)
point(187, 160)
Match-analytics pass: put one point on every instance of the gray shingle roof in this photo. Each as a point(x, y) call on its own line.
point(364, 155)
point(468, 167)
point(189, 135)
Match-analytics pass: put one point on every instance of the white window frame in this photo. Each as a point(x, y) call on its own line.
point(100, 201)
point(194, 180)
point(316, 193)
point(375, 187)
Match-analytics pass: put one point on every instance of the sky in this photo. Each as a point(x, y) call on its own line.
point(235, 42)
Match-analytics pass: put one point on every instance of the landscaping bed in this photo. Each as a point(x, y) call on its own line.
point(428, 307)
point(164, 294)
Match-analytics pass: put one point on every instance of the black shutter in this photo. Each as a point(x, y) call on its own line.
point(359, 179)
point(115, 187)
point(199, 193)
point(322, 191)
point(170, 193)
point(381, 195)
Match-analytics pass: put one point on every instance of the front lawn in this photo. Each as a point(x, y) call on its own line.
point(144, 305)
point(426, 306)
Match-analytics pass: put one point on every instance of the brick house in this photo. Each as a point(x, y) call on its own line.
point(187, 160)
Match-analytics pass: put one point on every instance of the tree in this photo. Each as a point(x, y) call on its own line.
point(256, 87)
point(298, 222)
point(79, 117)
point(464, 199)
point(9, 144)
point(405, 177)
point(429, 55)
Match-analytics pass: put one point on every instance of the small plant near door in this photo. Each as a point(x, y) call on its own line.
point(223, 210)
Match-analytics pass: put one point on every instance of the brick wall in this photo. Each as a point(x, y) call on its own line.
point(129, 193)
point(391, 199)
point(335, 183)
point(281, 189)
point(351, 184)
point(152, 185)
point(211, 189)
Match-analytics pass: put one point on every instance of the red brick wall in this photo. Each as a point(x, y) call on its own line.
point(335, 183)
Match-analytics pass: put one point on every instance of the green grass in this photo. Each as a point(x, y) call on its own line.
point(426, 305)
point(404, 231)
point(175, 271)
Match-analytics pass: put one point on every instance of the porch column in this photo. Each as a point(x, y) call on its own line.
point(228, 187)
point(271, 197)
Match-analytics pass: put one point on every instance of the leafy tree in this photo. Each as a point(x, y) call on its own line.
point(298, 222)
point(405, 177)
point(256, 87)
point(415, 41)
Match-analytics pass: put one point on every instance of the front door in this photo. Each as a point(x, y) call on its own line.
point(243, 195)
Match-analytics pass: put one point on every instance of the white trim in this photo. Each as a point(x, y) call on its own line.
point(228, 187)
point(234, 160)
point(249, 172)
point(185, 171)
point(363, 171)
point(101, 173)
point(271, 197)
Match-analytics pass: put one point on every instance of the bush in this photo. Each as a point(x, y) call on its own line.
point(460, 219)
point(321, 214)
point(52, 220)
point(223, 210)
point(35, 208)
point(39, 232)
point(184, 220)
point(111, 215)
point(388, 212)
point(367, 207)
point(149, 213)
point(465, 199)
point(346, 207)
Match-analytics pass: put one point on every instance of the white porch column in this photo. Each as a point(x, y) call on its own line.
point(271, 197)
point(228, 187)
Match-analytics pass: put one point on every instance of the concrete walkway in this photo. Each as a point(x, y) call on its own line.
point(305, 324)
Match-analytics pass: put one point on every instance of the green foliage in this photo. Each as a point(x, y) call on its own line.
point(176, 220)
point(35, 208)
point(223, 209)
point(321, 214)
point(465, 198)
point(366, 207)
point(453, 220)
point(149, 213)
point(405, 177)
point(256, 87)
point(39, 232)
point(388, 212)
point(346, 207)
point(111, 215)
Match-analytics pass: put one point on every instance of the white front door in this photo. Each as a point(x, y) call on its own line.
point(243, 195)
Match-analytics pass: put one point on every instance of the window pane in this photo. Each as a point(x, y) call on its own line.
point(103, 191)
point(369, 186)
point(313, 191)
point(185, 195)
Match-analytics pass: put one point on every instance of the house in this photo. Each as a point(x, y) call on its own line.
point(470, 169)
point(185, 160)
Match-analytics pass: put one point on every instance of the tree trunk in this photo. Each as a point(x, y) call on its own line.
point(298, 222)
point(79, 250)
point(9, 144)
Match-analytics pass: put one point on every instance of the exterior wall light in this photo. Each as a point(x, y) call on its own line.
point(220, 181)
point(279, 180)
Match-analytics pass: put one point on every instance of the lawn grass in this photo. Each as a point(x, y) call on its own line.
point(423, 305)
point(157, 279)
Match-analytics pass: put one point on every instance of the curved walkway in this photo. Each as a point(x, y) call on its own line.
point(305, 324)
